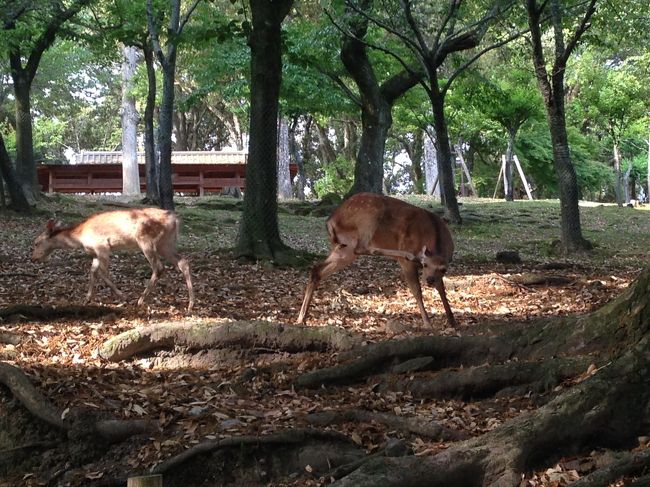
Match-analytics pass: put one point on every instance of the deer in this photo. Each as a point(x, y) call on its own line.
point(374, 224)
point(152, 230)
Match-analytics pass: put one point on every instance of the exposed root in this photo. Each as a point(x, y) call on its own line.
point(446, 351)
point(628, 464)
point(23, 390)
point(479, 382)
point(587, 416)
point(295, 437)
point(9, 338)
point(208, 334)
point(38, 405)
point(427, 429)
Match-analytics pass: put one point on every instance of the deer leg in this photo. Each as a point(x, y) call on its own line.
point(412, 277)
point(440, 286)
point(103, 273)
point(156, 267)
point(94, 269)
point(340, 257)
point(172, 256)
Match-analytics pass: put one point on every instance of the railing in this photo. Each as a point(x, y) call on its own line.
point(178, 157)
point(107, 178)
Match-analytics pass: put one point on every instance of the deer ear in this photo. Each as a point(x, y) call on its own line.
point(422, 254)
point(52, 225)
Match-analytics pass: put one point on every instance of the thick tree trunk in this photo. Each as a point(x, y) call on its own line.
point(130, 171)
point(25, 162)
point(150, 154)
point(572, 239)
point(165, 184)
point(552, 90)
point(376, 118)
point(18, 200)
point(284, 174)
point(444, 156)
point(259, 235)
point(376, 102)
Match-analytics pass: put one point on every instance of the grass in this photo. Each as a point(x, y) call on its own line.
point(621, 236)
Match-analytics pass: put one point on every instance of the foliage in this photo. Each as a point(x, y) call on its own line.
point(337, 177)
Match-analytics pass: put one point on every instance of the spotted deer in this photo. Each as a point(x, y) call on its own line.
point(152, 230)
point(373, 224)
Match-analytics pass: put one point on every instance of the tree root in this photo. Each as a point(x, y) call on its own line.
point(373, 359)
point(395, 448)
point(479, 382)
point(587, 416)
point(47, 313)
point(427, 429)
point(110, 431)
point(9, 338)
point(277, 440)
point(208, 334)
point(23, 390)
point(629, 464)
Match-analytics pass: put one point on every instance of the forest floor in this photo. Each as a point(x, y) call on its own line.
point(193, 399)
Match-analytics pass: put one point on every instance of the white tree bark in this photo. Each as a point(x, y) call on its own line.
point(130, 172)
point(619, 175)
point(284, 175)
point(430, 163)
point(647, 194)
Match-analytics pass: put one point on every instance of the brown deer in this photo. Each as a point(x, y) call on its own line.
point(367, 224)
point(152, 230)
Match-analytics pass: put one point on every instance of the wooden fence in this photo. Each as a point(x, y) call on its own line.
point(105, 175)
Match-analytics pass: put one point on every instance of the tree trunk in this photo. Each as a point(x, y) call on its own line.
point(572, 239)
point(431, 173)
point(509, 182)
point(376, 102)
point(444, 156)
point(294, 149)
point(552, 90)
point(284, 174)
point(259, 235)
point(376, 118)
point(19, 202)
point(618, 188)
point(130, 171)
point(25, 162)
point(327, 152)
point(647, 194)
point(150, 154)
point(165, 125)
point(350, 140)
point(627, 188)
point(416, 155)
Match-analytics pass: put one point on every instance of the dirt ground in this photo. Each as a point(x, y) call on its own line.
point(194, 396)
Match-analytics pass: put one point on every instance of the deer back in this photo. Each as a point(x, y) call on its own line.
point(388, 223)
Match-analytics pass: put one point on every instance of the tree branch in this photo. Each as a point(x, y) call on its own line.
point(584, 25)
point(153, 33)
point(187, 15)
